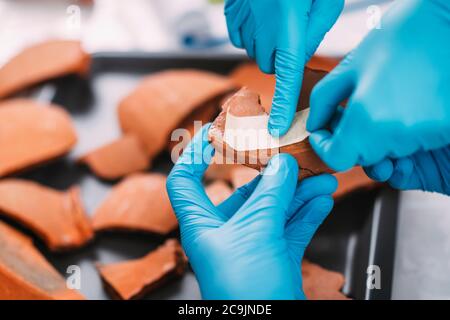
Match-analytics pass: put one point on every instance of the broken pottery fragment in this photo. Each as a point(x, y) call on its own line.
point(353, 180)
point(320, 283)
point(31, 133)
point(57, 217)
point(163, 100)
point(218, 191)
point(135, 278)
point(244, 109)
point(24, 272)
point(236, 174)
point(248, 75)
point(138, 203)
point(42, 62)
point(119, 158)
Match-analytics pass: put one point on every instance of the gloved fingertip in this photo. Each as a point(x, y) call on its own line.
point(403, 169)
point(282, 162)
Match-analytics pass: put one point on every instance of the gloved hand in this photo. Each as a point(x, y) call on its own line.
point(398, 85)
point(251, 245)
point(281, 35)
point(427, 171)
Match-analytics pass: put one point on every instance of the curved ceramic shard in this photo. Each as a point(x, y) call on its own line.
point(119, 158)
point(31, 133)
point(321, 284)
point(42, 62)
point(164, 100)
point(245, 105)
point(218, 191)
point(138, 203)
point(135, 278)
point(191, 125)
point(248, 75)
point(25, 274)
point(56, 217)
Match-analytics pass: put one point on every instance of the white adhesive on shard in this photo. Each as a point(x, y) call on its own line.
point(250, 133)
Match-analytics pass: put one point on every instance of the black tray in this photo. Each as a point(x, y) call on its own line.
point(360, 231)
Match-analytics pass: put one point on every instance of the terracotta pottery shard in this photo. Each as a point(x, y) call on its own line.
point(135, 278)
point(42, 62)
point(323, 62)
point(164, 100)
point(56, 217)
point(353, 180)
point(24, 272)
point(218, 191)
point(31, 133)
point(245, 103)
point(321, 284)
point(118, 158)
point(236, 174)
point(138, 203)
point(248, 75)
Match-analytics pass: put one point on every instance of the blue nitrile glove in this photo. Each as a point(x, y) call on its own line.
point(251, 245)
point(428, 171)
point(281, 35)
point(398, 85)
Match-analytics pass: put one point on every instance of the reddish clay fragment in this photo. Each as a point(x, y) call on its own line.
point(203, 115)
point(248, 75)
point(118, 158)
point(25, 274)
point(138, 203)
point(321, 284)
point(31, 133)
point(218, 191)
point(42, 62)
point(136, 278)
point(57, 217)
point(246, 103)
point(164, 100)
point(353, 180)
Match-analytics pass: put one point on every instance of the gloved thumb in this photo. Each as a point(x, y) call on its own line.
point(268, 205)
